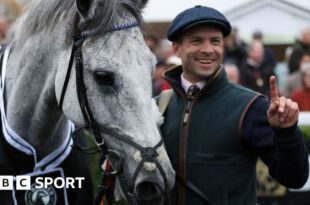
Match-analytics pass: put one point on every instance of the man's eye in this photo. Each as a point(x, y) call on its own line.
point(195, 41)
point(216, 41)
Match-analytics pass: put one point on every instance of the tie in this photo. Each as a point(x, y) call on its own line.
point(193, 90)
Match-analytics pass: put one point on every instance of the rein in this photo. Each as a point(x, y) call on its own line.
point(149, 154)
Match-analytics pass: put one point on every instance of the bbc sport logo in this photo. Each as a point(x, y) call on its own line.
point(23, 182)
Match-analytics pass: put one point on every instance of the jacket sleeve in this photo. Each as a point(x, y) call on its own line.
point(282, 150)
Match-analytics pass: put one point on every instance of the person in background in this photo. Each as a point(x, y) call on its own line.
point(4, 28)
point(164, 50)
point(9, 12)
point(269, 57)
point(158, 80)
point(235, 49)
point(256, 71)
point(152, 42)
point(301, 47)
point(214, 130)
point(282, 70)
point(232, 72)
point(172, 61)
point(302, 95)
point(294, 80)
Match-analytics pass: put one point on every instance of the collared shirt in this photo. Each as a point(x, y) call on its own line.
point(186, 84)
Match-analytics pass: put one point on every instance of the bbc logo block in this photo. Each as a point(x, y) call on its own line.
point(6, 182)
point(22, 182)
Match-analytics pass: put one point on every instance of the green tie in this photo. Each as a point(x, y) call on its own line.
point(193, 90)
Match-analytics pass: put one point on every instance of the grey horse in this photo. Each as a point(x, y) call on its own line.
point(40, 107)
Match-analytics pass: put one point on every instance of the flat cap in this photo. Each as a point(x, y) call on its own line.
point(195, 16)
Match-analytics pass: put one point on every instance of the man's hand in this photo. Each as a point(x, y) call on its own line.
point(282, 112)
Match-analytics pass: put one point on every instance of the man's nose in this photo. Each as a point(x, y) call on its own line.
point(207, 47)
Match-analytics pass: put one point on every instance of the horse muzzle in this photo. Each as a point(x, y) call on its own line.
point(149, 193)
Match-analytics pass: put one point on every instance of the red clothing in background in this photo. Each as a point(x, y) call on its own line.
point(302, 97)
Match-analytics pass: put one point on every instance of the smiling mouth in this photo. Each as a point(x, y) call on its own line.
point(205, 61)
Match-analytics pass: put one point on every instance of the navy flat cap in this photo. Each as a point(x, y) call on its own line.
point(194, 16)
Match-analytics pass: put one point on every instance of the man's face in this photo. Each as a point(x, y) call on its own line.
point(306, 79)
point(201, 51)
point(256, 52)
point(305, 36)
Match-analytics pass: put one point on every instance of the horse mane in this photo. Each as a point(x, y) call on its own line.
point(43, 15)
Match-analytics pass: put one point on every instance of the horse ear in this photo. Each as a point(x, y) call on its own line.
point(83, 6)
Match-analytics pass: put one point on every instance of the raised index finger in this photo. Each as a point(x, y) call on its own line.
point(273, 89)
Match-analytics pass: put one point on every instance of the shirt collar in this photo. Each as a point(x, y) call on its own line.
point(186, 84)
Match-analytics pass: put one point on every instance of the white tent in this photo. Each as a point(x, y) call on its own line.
point(279, 20)
point(166, 10)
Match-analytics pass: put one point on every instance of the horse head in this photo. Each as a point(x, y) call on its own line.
point(109, 90)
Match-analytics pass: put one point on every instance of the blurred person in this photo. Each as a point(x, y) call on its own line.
point(158, 80)
point(282, 70)
point(164, 50)
point(4, 28)
point(10, 10)
point(294, 80)
point(301, 46)
point(256, 71)
point(232, 72)
point(269, 57)
point(151, 42)
point(302, 95)
point(214, 130)
point(172, 62)
point(235, 49)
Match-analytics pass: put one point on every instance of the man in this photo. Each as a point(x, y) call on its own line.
point(235, 49)
point(269, 57)
point(214, 135)
point(294, 80)
point(301, 46)
point(256, 70)
point(302, 95)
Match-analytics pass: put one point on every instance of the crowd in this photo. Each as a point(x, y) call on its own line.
point(251, 65)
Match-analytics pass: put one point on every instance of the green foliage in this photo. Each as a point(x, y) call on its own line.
point(95, 169)
point(306, 132)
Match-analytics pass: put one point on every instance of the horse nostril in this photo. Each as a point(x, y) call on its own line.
point(149, 191)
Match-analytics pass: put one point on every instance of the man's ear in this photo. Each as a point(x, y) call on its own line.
point(83, 6)
point(176, 48)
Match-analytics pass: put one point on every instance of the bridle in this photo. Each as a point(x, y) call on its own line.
point(148, 154)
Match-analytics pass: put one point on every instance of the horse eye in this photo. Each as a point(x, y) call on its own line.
point(104, 78)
